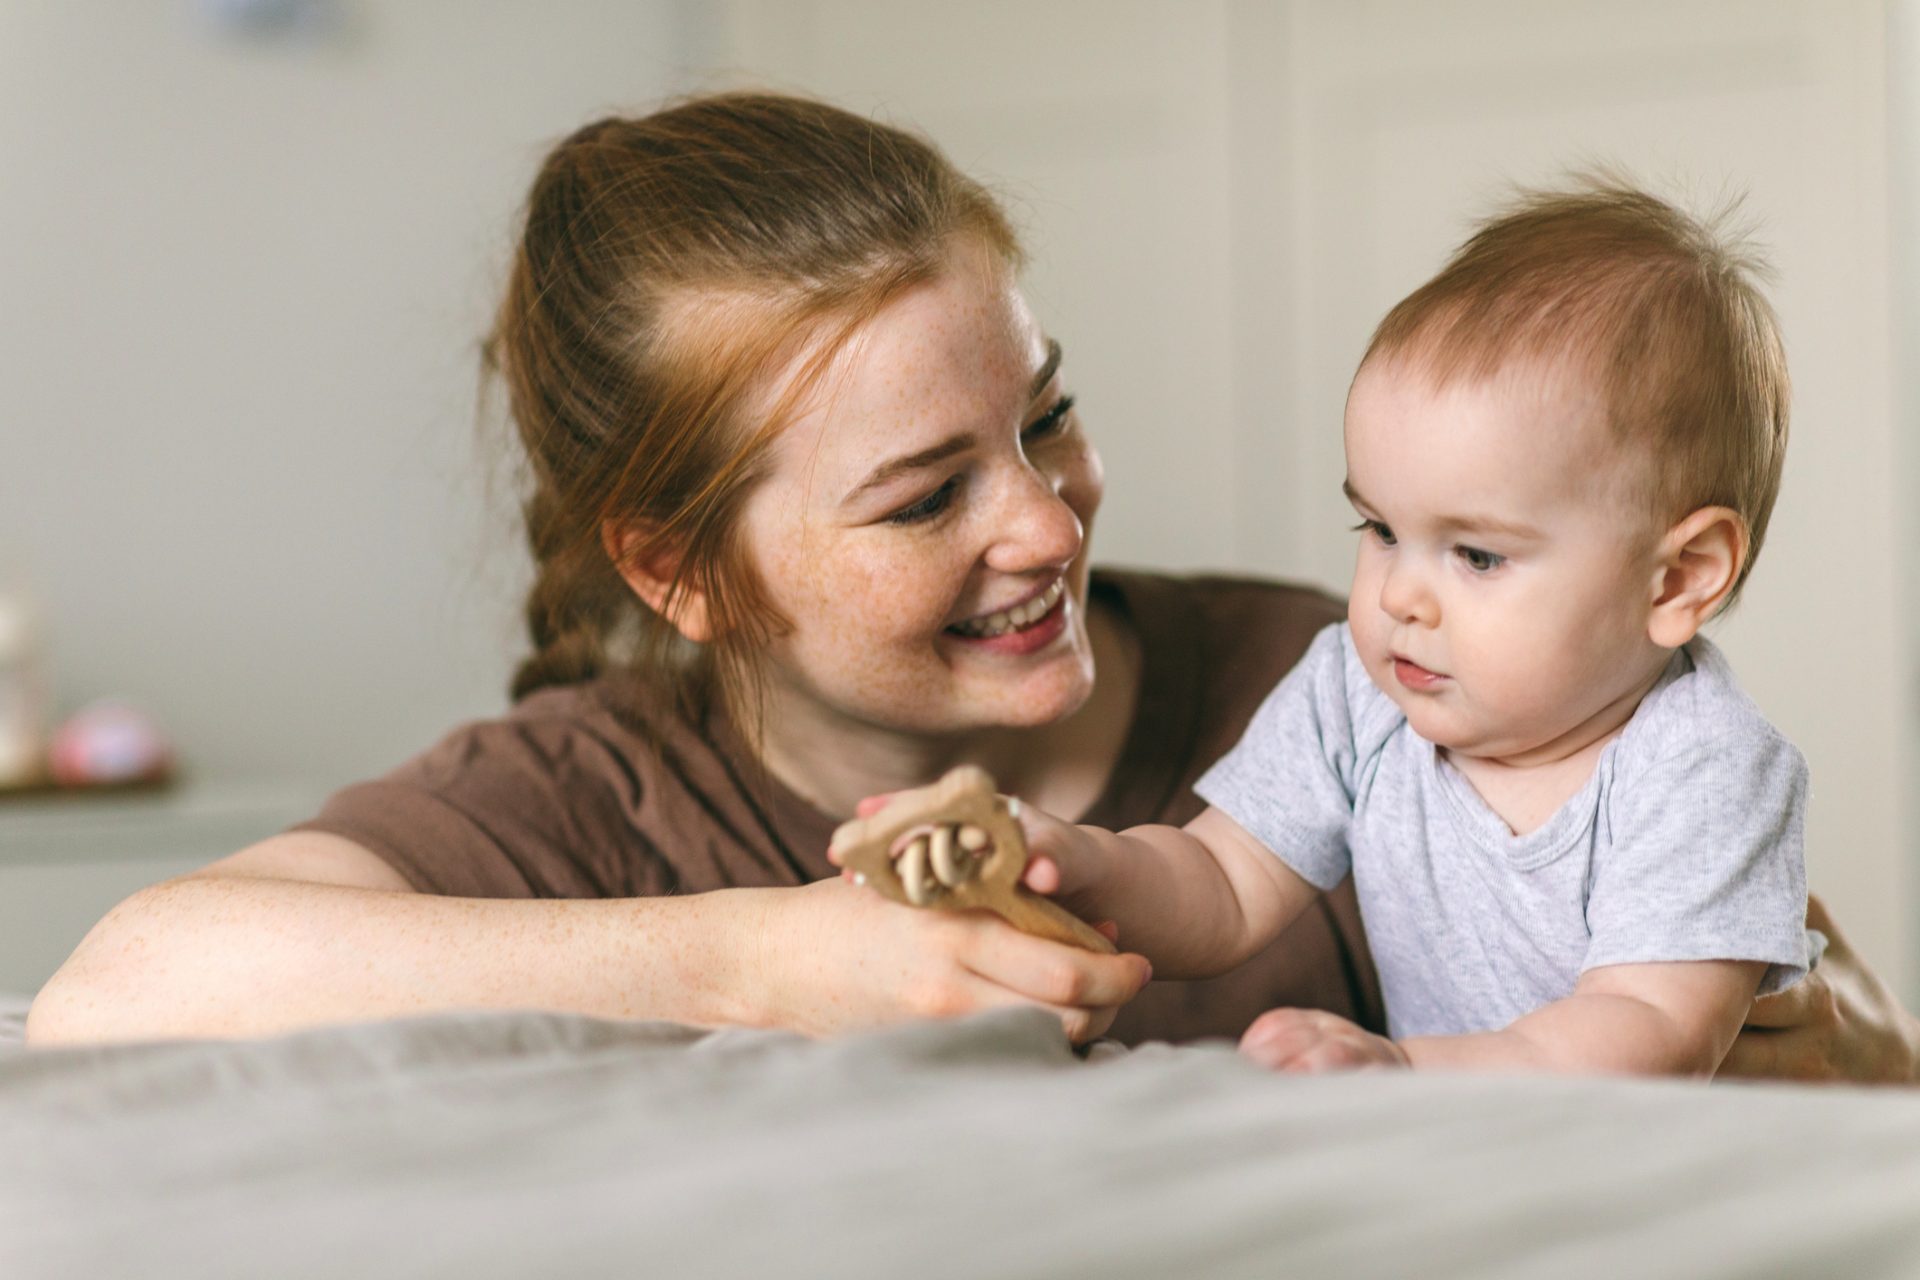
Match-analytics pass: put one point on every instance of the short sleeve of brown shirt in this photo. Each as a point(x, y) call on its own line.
point(590, 791)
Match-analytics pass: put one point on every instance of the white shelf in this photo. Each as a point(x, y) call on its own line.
point(203, 819)
point(66, 859)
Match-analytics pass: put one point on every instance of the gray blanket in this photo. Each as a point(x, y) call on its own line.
point(529, 1144)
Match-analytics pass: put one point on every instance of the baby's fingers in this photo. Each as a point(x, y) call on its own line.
point(1042, 874)
point(872, 805)
point(1279, 1036)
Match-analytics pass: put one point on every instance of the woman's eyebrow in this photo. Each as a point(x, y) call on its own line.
point(953, 444)
point(912, 462)
point(1048, 367)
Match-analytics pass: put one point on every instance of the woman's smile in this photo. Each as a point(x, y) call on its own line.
point(1018, 616)
point(1024, 628)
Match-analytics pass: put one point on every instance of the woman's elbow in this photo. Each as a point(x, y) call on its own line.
point(93, 996)
point(65, 1012)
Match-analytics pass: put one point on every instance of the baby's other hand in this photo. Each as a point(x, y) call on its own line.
point(1312, 1040)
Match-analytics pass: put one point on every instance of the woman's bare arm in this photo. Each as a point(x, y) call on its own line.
point(308, 928)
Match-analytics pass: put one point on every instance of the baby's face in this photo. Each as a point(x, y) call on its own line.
point(1505, 577)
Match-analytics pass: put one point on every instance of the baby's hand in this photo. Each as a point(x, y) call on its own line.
point(1063, 861)
point(1312, 1040)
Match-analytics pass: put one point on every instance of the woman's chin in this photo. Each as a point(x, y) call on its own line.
point(1044, 697)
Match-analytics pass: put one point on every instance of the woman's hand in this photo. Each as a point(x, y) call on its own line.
point(1311, 1040)
point(1841, 1025)
point(1063, 862)
point(836, 957)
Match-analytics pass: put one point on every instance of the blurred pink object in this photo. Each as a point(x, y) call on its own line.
point(108, 743)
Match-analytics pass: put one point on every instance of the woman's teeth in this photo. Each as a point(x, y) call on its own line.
point(1025, 615)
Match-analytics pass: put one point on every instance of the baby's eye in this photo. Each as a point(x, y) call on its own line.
point(1480, 561)
point(928, 507)
point(1377, 529)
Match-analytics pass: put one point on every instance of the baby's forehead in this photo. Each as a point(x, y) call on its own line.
point(1542, 423)
point(1561, 402)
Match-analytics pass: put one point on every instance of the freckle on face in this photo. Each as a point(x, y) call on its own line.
point(870, 601)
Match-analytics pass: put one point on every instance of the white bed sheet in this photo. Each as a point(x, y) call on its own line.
point(530, 1144)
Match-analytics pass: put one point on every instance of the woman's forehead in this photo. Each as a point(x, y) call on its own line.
point(956, 353)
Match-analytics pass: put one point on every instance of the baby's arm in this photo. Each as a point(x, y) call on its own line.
point(1195, 900)
point(1635, 1019)
point(1628, 1019)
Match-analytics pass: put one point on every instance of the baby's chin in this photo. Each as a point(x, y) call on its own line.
point(1481, 743)
point(1447, 731)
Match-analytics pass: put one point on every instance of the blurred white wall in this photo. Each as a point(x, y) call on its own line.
point(241, 283)
point(1903, 173)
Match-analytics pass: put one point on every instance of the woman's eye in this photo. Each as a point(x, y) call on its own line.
point(1480, 561)
point(928, 507)
point(1049, 422)
point(1377, 529)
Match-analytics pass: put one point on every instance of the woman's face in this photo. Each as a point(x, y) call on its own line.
point(923, 524)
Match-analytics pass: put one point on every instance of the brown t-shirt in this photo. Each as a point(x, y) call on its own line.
point(591, 791)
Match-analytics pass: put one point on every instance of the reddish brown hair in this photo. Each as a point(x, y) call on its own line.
point(670, 266)
point(1661, 309)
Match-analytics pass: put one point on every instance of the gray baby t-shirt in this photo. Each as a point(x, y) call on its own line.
point(1685, 844)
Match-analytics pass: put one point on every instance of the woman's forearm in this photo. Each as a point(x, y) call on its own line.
point(220, 955)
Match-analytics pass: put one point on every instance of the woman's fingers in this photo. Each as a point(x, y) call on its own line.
point(1842, 1022)
point(1797, 1006)
point(1080, 1024)
point(843, 958)
point(1051, 972)
point(1758, 1055)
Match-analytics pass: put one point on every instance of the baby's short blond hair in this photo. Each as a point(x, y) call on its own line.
point(1660, 309)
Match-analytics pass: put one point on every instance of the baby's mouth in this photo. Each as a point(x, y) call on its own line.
point(1413, 675)
point(1018, 618)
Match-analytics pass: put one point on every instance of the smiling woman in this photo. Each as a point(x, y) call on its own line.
point(940, 592)
point(810, 507)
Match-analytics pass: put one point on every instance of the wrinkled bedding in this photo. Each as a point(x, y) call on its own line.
point(483, 1145)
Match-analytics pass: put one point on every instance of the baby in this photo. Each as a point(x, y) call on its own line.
point(1575, 842)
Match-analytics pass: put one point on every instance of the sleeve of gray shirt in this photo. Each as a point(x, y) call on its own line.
point(1289, 780)
point(1705, 859)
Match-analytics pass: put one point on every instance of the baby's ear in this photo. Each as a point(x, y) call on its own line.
point(650, 566)
point(1699, 564)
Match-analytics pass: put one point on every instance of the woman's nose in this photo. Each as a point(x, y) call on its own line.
point(1406, 596)
point(1036, 527)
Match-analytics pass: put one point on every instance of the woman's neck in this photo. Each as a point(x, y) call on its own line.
point(1062, 767)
